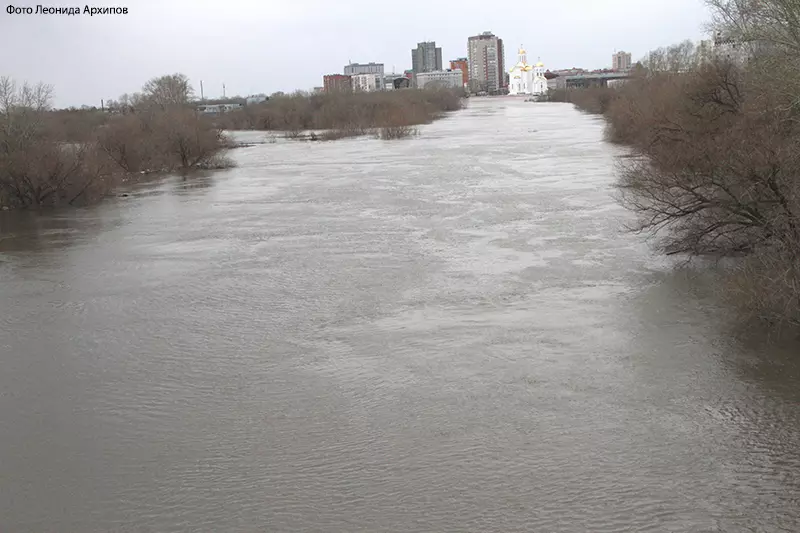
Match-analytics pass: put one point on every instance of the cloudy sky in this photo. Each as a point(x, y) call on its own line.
point(281, 45)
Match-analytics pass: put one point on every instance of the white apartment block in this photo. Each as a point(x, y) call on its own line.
point(451, 79)
point(215, 109)
point(364, 82)
point(352, 69)
point(257, 99)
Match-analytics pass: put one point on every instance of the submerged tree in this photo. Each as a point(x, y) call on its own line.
point(35, 167)
point(715, 165)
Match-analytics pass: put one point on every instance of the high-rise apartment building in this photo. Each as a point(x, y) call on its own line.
point(336, 82)
point(426, 57)
point(486, 63)
point(461, 64)
point(621, 61)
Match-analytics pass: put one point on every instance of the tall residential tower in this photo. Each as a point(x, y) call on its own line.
point(486, 63)
point(621, 61)
point(426, 57)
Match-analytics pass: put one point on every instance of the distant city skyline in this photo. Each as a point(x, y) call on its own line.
point(268, 46)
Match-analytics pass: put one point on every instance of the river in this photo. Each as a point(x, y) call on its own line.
point(446, 333)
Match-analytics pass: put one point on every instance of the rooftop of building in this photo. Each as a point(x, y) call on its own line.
point(439, 71)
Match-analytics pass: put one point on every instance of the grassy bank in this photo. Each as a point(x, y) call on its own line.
point(715, 155)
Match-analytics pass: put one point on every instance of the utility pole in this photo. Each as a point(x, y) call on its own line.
point(201, 91)
point(223, 90)
point(102, 108)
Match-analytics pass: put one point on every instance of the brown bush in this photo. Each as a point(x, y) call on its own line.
point(44, 173)
point(714, 168)
point(77, 125)
point(156, 140)
point(48, 158)
point(188, 140)
point(712, 163)
point(765, 286)
point(594, 100)
point(342, 133)
point(344, 111)
point(130, 142)
point(36, 167)
point(387, 133)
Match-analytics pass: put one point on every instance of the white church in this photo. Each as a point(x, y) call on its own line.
point(525, 78)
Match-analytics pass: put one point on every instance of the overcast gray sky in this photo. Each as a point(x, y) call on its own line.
point(281, 45)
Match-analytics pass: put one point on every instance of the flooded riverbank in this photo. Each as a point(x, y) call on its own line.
point(446, 333)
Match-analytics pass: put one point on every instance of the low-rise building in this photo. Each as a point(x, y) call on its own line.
point(394, 81)
point(351, 69)
point(365, 82)
point(451, 79)
point(559, 82)
point(574, 71)
point(462, 64)
point(216, 109)
point(376, 69)
point(257, 99)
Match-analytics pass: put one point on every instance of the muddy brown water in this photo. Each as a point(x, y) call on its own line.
point(445, 333)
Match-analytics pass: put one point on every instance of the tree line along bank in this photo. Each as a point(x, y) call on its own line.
point(55, 157)
point(713, 168)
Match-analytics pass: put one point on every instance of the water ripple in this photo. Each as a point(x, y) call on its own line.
point(456, 335)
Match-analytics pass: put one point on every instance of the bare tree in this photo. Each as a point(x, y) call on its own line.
point(25, 97)
point(714, 161)
point(677, 58)
point(22, 110)
point(169, 90)
point(776, 22)
point(36, 168)
point(191, 141)
point(345, 112)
